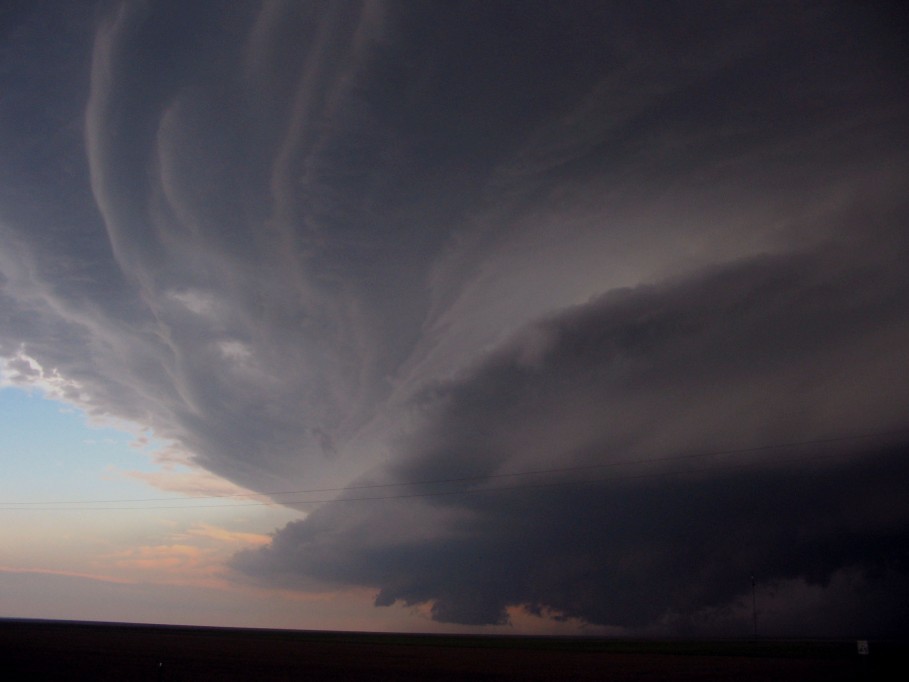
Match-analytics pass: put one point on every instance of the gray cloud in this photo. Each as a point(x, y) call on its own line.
point(636, 553)
point(317, 244)
point(757, 353)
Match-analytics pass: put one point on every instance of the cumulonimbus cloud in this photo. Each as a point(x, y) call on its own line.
point(655, 412)
point(321, 246)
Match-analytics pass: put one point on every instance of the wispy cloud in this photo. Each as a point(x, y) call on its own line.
point(69, 574)
point(191, 482)
point(315, 246)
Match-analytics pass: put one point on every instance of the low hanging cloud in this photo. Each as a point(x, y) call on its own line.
point(372, 243)
point(654, 409)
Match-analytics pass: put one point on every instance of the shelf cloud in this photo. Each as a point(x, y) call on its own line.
point(655, 254)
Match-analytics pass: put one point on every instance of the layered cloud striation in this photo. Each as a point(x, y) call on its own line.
point(656, 256)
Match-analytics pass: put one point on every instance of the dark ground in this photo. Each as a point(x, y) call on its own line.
point(38, 650)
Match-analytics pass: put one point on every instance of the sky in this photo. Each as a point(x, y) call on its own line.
point(494, 317)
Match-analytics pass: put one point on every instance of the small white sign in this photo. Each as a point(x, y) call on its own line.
point(863, 647)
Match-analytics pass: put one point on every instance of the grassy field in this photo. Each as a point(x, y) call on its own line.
point(35, 650)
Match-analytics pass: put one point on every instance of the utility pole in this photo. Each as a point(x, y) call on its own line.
point(753, 605)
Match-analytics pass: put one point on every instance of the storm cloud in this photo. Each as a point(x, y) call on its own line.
point(434, 247)
point(670, 429)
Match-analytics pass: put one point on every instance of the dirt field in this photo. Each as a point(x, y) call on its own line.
point(36, 650)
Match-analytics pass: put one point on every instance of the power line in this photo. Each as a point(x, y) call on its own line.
point(32, 506)
point(445, 493)
point(462, 479)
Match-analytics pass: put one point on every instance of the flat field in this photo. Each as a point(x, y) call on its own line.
point(37, 650)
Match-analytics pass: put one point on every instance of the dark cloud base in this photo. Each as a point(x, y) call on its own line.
point(631, 552)
point(320, 243)
point(664, 538)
